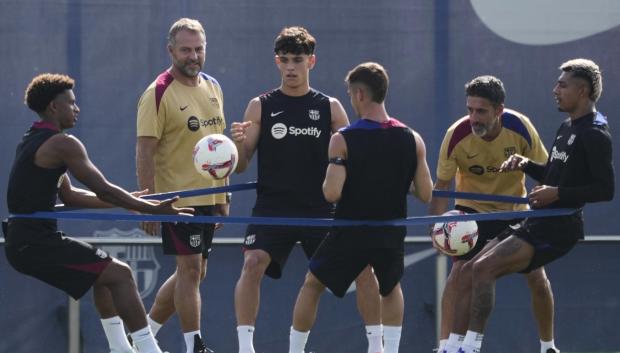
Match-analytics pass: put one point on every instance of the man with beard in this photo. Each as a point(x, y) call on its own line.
point(472, 151)
point(579, 171)
point(180, 107)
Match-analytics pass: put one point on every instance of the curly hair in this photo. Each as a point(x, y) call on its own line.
point(587, 70)
point(44, 88)
point(295, 40)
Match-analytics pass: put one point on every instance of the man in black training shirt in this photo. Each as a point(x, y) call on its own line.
point(579, 170)
point(374, 164)
point(289, 128)
point(36, 248)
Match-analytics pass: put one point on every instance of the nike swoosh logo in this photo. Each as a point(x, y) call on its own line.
point(276, 114)
point(473, 156)
point(577, 19)
point(183, 108)
point(559, 137)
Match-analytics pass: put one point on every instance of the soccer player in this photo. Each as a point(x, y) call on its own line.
point(579, 170)
point(289, 128)
point(363, 191)
point(36, 248)
point(180, 107)
point(472, 151)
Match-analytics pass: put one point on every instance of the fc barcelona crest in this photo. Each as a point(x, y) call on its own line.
point(194, 240)
point(509, 151)
point(314, 114)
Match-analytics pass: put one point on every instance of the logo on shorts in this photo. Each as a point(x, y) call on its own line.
point(102, 254)
point(250, 239)
point(194, 240)
point(314, 114)
point(140, 257)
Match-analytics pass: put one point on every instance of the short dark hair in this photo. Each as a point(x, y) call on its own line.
point(295, 40)
point(586, 70)
point(44, 88)
point(489, 87)
point(373, 76)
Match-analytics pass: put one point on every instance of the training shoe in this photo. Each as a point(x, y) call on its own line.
point(553, 350)
point(199, 346)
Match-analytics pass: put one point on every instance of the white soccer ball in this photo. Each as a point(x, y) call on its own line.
point(215, 156)
point(455, 238)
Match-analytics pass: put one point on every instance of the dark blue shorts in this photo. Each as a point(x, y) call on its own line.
point(551, 237)
point(341, 258)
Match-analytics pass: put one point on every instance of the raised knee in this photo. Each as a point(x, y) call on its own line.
point(481, 269)
point(118, 271)
point(465, 274)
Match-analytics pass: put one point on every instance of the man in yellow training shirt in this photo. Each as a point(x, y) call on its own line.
point(180, 107)
point(472, 152)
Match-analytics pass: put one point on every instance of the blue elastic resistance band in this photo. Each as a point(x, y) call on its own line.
point(313, 222)
point(181, 194)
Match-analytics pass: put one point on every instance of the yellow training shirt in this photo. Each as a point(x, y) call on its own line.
point(178, 116)
point(475, 162)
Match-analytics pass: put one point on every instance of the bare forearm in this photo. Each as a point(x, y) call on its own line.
point(84, 198)
point(244, 160)
point(145, 168)
point(116, 196)
point(438, 206)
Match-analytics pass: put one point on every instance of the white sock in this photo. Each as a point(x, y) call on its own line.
point(453, 343)
point(189, 340)
point(144, 341)
point(374, 334)
point(155, 326)
point(245, 334)
point(472, 342)
point(115, 333)
point(297, 341)
point(391, 338)
point(442, 345)
point(544, 345)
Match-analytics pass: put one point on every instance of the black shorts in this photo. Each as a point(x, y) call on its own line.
point(189, 238)
point(65, 263)
point(551, 237)
point(278, 241)
point(337, 263)
point(487, 230)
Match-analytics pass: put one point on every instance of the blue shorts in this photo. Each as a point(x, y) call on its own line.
point(551, 237)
